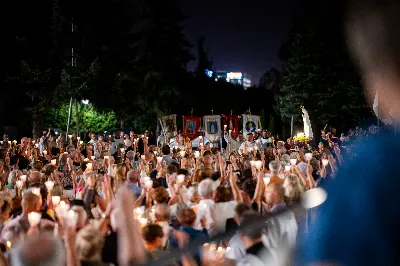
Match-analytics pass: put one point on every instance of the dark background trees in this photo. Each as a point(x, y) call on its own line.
point(130, 59)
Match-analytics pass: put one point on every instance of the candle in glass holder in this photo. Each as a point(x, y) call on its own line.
point(287, 168)
point(106, 157)
point(159, 159)
point(258, 164)
point(325, 162)
point(182, 153)
point(81, 142)
point(143, 222)
point(89, 166)
point(196, 154)
point(252, 163)
point(49, 185)
point(200, 137)
point(9, 142)
point(14, 141)
point(23, 178)
point(93, 157)
point(70, 136)
point(308, 156)
point(36, 191)
point(143, 157)
point(138, 213)
point(45, 153)
point(122, 150)
point(55, 199)
point(8, 245)
point(266, 180)
point(34, 218)
point(293, 161)
point(78, 138)
point(180, 179)
point(148, 184)
point(19, 184)
point(54, 162)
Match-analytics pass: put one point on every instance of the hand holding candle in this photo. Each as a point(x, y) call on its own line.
point(34, 218)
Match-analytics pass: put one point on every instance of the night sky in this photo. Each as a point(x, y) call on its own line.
point(241, 35)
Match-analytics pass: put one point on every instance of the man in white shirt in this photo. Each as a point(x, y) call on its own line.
point(249, 145)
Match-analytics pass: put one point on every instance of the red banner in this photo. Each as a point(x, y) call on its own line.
point(231, 122)
point(191, 126)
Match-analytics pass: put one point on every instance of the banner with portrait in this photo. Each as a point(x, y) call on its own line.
point(212, 127)
point(169, 126)
point(232, 123)
point(191, 126)
point(250, 123)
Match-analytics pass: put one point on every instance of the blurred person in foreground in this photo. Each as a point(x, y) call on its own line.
point(358, 223)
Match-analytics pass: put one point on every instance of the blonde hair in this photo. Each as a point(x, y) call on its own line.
point(293, 189)
point(120, 172)
point(89, 242)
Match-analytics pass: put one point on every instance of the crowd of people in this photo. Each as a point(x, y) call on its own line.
point(116, 200)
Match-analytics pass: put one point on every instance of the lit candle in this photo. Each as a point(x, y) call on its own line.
point(44, 153)
point(26, 153)
point(37, 145)
point(70, 136)
point(159, 159)
point(23, 178)
point(36, 191)
point(106, 157)
point(182, 153)
point(180, 179)
point(78, 138)
point(49, 185)
point(258, 164)
point(287, 168)
point(89, 166)
point(293, 161)
point(9, 142)
point(8, 245)
point(34, 218)
point(200, 137)
point(143, 222)
point(308, 156)
point(71, 218)
point(266, 180)
point(122, 150)
point(230, 132)
point(143, 157)
point(225, 126)
point(142, 136)
point(54, 162)
point(19, 184)
point(15, 142)
point(93, 157)
point(81, 142)
point(86, 160)
point(66, 153)
point(148, 184)
point(325, 162)
point(196, 154)
point(252, 163)
point(55, 199)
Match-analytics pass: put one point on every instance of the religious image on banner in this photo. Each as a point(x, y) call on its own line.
point(212, 127)
point(191, 126)
point(231, 122)
point(250, 123)
point(169, 125)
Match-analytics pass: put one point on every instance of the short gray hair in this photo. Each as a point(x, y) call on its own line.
point(206, 188)
point(49, 253)
point(275, 166)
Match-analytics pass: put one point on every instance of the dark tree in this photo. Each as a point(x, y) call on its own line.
point(317, 70)
point(203, 62)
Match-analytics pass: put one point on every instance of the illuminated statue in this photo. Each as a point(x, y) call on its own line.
point(307, 123)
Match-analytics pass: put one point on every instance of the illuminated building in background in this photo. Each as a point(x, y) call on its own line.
point(237, 78)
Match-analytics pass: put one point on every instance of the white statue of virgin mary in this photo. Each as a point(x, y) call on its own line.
point(307, 124)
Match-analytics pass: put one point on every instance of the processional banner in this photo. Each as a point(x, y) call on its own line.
point(231, 122)
point(191, 126)
point(169, 126)
point(250, 123)
point(212, 127)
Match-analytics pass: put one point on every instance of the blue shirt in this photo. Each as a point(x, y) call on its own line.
point(359, 223)
point(137, 190)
